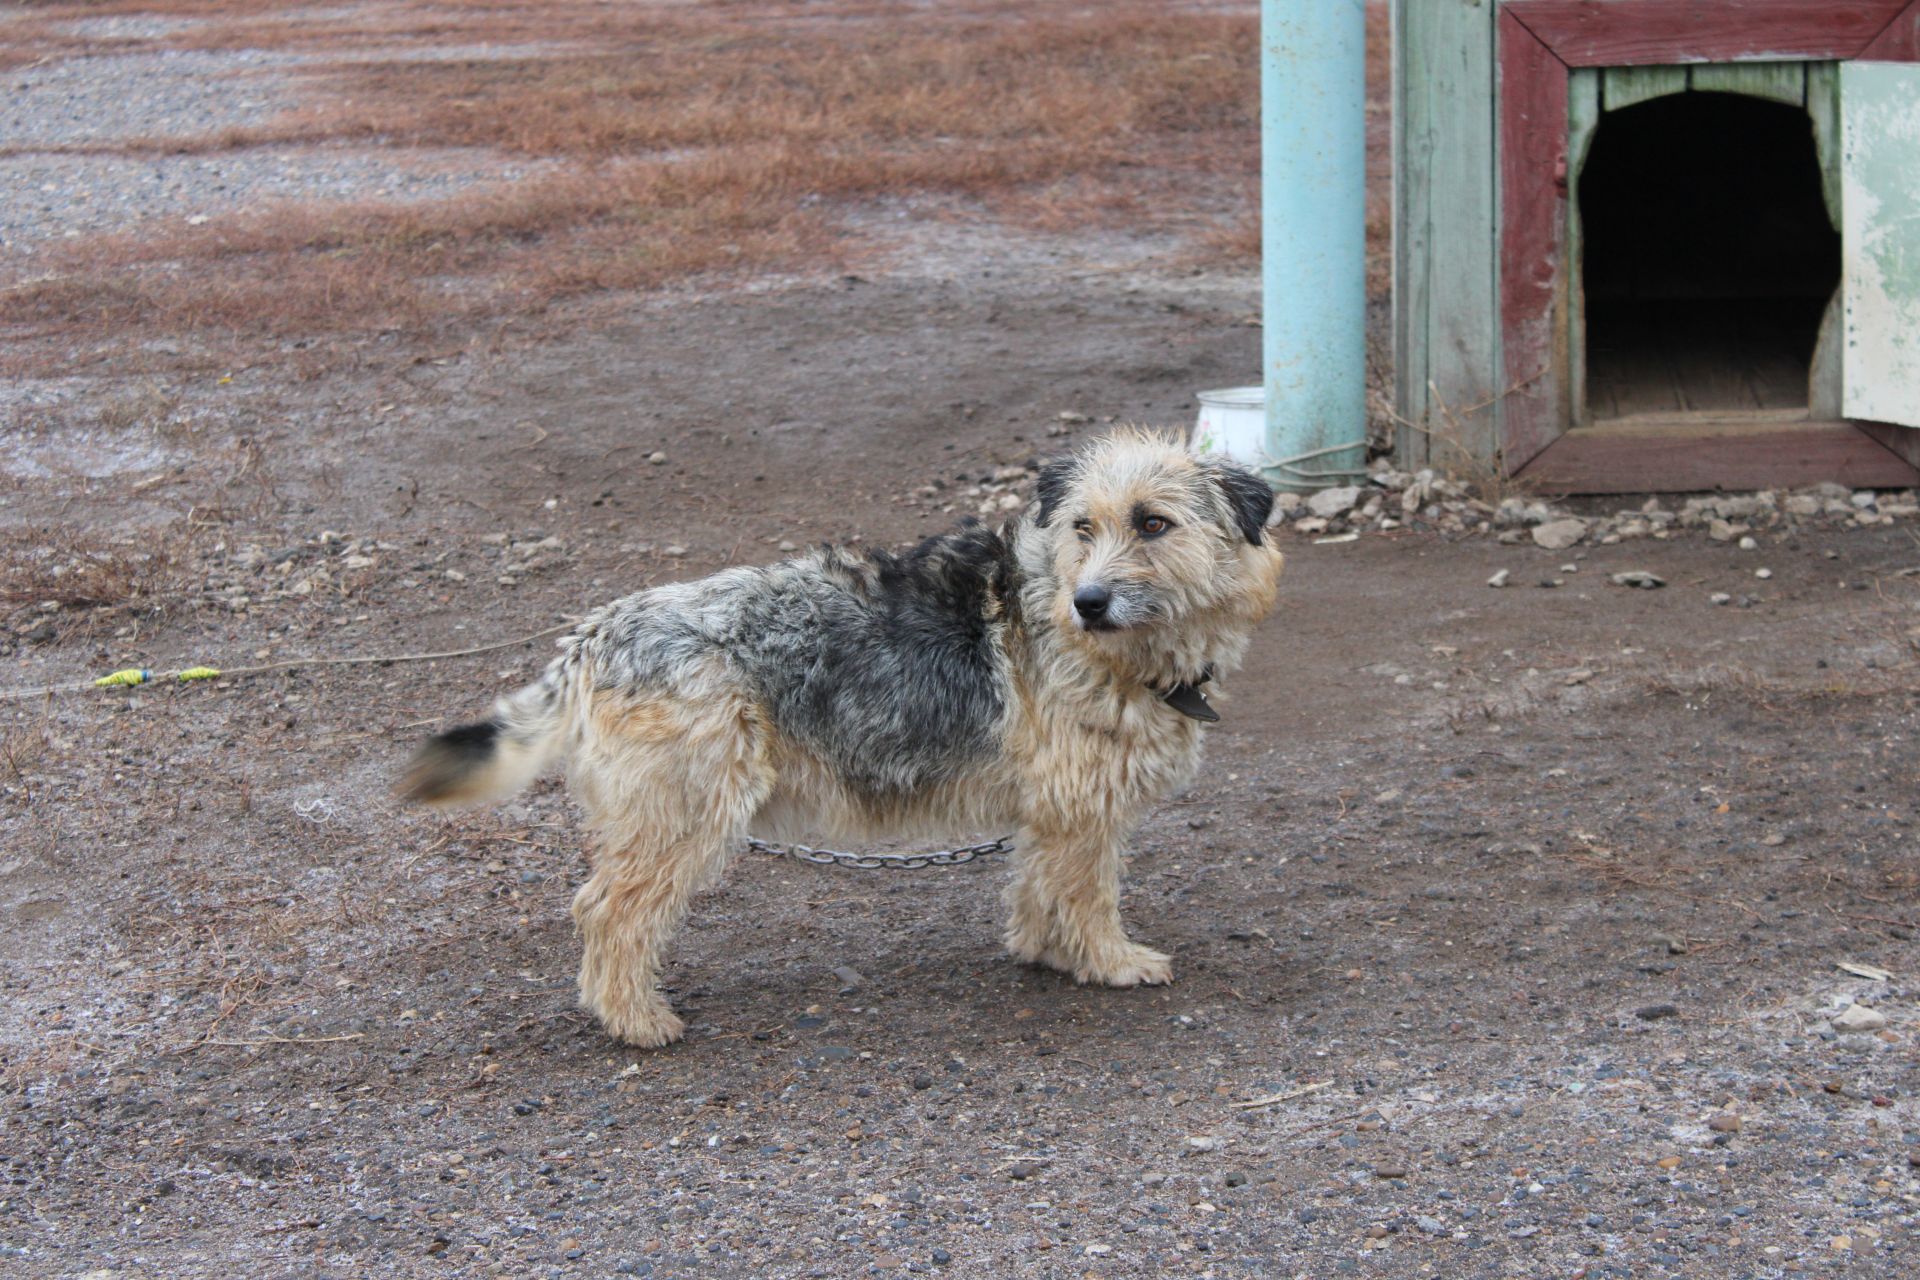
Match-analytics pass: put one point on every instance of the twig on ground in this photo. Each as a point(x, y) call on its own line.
point(1287, 1096)
point(248, 1044)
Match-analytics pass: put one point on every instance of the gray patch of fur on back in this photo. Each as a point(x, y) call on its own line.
point(885, 666)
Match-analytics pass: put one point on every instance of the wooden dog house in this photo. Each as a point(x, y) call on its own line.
point(1659, 244)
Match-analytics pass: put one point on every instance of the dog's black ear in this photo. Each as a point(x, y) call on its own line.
point(1050, 487)
point(1249, 498)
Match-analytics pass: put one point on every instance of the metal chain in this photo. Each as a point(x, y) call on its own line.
point(884, 861)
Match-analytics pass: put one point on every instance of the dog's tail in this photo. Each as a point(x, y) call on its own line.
point(490, 760)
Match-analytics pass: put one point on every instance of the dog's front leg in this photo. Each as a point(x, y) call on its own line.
point(1064, 904)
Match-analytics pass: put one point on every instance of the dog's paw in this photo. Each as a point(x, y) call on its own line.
point(1127, 965)
point(1029, 947)
point(648, 1027)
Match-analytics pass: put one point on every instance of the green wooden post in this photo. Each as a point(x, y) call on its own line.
point(1445, 304)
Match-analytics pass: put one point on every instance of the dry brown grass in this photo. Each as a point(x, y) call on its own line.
point(50, 590)
point(679, 143)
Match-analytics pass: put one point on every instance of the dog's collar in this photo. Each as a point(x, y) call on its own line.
point(1187, 699)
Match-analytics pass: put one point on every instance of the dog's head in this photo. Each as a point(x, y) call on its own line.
point(1143, 539)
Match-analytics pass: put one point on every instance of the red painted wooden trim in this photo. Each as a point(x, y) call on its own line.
point(1533, 219)
point(1900, 42)
point(1618, 33)
point(1903, 441)
point(1707, 456)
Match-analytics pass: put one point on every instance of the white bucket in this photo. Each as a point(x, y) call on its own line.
point(1233, 421)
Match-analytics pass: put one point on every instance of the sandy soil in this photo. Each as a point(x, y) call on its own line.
point(1523, 911)
point(1537, 882)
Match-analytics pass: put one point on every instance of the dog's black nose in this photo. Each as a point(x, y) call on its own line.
point(1091, 602)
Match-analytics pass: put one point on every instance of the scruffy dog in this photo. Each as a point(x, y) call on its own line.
point(1044, 678)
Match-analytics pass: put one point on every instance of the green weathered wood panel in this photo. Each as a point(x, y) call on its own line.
point(1880, 239)
point(1446, 310)
point(1625, 86)
point(1825, 395)
point(1823, 104)
point(1826, 371)
point(1776, 81)
point(1411, 164)
point(1584, 89)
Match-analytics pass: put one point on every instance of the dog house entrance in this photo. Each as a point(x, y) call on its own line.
point(1708, 259)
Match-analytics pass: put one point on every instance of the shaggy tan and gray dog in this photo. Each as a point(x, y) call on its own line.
point(1044, 678)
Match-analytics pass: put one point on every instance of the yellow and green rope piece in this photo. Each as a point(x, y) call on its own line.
point(140, 675)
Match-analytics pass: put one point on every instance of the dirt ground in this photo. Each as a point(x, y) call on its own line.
point(1519, 914)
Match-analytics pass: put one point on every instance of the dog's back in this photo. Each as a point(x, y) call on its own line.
point(888, 668)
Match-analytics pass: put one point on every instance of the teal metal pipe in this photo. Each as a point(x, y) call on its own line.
point(1313, 210)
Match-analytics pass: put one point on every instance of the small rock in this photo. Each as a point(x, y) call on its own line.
point(1858, 1017)
point(1021, 1172)
point(1430, 1224)
point(1558, 535)
point(1389, 1171)
point(788, 545)
point(1726, 1122)
point(1749, 544)
point(676, 550)
point(1640, 579)
point(1199, 1144)
point(657, 458)
point(1329, 503)
point(1500, 579)
point(1719, 597)
point(1655, 1012)
point(1763, 573)
point(851, 979)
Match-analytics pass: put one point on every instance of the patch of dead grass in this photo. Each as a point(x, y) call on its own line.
point(51, 592)
point(709, 142)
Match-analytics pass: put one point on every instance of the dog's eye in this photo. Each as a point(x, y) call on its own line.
point(1154, 526)
point(1084, 528)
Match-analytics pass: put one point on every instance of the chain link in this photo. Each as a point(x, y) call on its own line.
point(884, 861)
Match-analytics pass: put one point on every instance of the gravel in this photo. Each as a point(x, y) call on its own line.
point(64, 196)
point(164, 94)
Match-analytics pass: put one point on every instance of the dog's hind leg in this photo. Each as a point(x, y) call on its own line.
point(1064, 904)
point(670, 783)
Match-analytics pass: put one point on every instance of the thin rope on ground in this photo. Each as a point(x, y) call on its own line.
point(134, 677)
